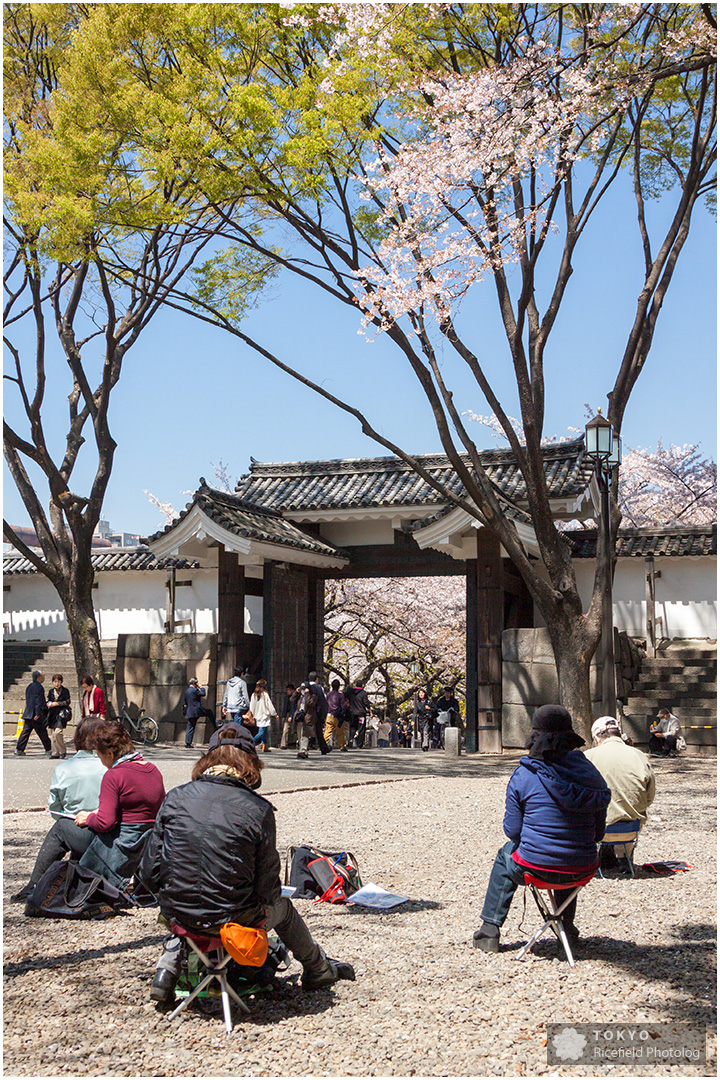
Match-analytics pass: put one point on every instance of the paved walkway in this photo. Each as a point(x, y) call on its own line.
point(26, 780)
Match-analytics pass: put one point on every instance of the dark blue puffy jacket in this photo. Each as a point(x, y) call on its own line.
point(556, 813)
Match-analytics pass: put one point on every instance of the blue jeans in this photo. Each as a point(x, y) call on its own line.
point(505, 877)
point(263, 736)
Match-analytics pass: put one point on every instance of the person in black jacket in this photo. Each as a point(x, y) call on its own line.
point(423, 716)
point(212, 859)
point(34, 716)
point(359, 707)
point(447, 714)
point(59, 715)
point(194, 709)
point(322, 711)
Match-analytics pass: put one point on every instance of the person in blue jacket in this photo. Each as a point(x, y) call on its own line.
point(555, 808)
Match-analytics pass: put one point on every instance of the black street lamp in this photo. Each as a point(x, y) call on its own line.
point(604, 446)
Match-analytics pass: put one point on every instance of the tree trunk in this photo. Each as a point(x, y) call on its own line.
point(573, 655)
point(78, 604)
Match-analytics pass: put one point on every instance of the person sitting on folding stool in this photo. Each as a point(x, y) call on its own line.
point(555, 808)
point(212, 859)
point(628, 774)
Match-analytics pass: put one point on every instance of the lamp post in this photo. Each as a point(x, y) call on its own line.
point(604, 446)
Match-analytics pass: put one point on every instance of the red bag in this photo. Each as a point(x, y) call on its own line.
point(335, 880)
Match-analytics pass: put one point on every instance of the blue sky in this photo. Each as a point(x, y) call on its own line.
point(191, 396)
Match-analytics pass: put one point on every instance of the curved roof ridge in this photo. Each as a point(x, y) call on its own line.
point(392, 463)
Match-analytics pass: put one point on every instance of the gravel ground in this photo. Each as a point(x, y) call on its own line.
point(425, 1003)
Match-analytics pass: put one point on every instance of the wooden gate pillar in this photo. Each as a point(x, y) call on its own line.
point(231, 616)
point(485, 617)
point(286, 605)
point(316, 623)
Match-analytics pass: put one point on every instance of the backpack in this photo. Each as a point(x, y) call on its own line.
point(70, 891)
point(315, 873)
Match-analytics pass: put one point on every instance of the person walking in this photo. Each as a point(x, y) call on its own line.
point(263, 713)
point(307, 713)
point(383, 730)
point(287, 715)
point(359, 706)
point(447, 714)
point(334, 723)
point(235, 699)
point(322, 711)
point(34, 716)
point(194, 709)
point(423, 717)
point(93, 699)
point(59, 715)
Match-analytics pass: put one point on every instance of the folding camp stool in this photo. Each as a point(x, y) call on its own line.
point(203, 945)
point(622, 834)
point(551, 911)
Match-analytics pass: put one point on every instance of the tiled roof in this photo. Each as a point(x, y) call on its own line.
point(674, 540)
point(139, 558)
point(374, 482)
point(250, 521)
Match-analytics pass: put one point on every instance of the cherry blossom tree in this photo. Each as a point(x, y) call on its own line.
point(400, 157)
point(671, 485)
point(396, 636)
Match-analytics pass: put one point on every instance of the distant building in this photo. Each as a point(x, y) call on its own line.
point(103, 537)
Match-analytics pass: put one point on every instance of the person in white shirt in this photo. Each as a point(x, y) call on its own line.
point(262, 711)
point(384, 733)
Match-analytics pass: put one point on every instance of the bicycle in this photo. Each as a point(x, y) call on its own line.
point(144, 728)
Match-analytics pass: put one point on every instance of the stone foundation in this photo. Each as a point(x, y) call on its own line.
point(152, 672)
point(530, 678)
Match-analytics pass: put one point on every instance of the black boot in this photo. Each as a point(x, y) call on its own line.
point(487, 938)
point(334, 972)
point(163, 985)
point(168, 970)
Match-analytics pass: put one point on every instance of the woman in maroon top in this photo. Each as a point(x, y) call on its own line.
point(131, 794)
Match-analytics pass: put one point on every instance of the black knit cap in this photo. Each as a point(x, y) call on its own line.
point(552, 733)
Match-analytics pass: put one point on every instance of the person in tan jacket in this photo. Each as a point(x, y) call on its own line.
point(626, 771)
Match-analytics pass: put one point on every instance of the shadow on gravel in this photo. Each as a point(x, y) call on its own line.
point(687, 966)
point(286, 1000)
point(79, 956)
point(694, 932)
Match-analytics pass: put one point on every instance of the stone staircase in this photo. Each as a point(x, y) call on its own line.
point(21, 658)
point(682, 678)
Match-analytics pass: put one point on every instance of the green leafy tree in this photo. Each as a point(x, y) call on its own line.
point(401, 156)
point(94, 247)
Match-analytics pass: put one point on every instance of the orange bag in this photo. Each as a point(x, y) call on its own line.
point(246, 944)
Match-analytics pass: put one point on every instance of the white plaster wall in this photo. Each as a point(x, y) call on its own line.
point(357, 533)
point(126, 602)
point(685, 595)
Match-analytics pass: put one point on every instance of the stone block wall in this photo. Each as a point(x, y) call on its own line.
point(152, 672)
point(530, 678)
